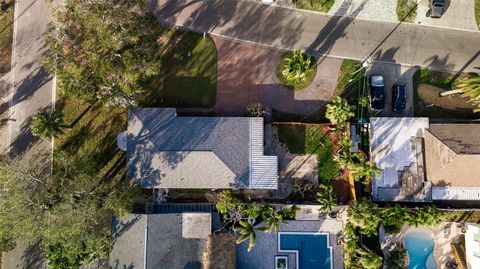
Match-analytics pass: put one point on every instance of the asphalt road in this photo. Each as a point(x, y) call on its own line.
point(319, 34)
point(31, 85)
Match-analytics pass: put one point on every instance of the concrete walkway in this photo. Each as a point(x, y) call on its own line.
point(343, 37)
point(31, 85)
point(383, 10)
point(30, 90)
point(247, 74)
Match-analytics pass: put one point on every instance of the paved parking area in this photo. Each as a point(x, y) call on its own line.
point(460, 14)
point(247, 74)
point(381, 10)
point(394, 73)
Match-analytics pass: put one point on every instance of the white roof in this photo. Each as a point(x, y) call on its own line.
point(472, 246)
point(391, 147)
point(456, 193)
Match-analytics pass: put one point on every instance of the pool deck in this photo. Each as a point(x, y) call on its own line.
point(442, 250)
point(263, 254)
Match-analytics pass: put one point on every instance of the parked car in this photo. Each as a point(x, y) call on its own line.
point(399, 100)
point(437, 8)
point(377, 92)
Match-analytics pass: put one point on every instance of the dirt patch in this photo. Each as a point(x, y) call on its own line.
point(431, 95)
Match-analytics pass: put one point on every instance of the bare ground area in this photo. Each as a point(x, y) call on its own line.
point(431, 94)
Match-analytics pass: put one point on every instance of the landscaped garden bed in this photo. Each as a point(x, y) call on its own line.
point(427, 87)
point(318, 140)
point(296, 70)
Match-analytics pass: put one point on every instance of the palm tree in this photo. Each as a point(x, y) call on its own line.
point(247, 231)
point(427, 215)
point(326, 198)
point(339, 111)
point(363, 169)
point(470, 87)
point(272, 223)
point(296, 66)
point(393, 218)
point(47, 124)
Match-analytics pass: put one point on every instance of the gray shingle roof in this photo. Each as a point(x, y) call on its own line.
point(188, 152)
point(155, 241)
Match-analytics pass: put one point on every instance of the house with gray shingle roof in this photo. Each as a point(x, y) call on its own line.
point(167, 151)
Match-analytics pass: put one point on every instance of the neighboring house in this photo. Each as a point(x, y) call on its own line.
point(472, 246)
point(424, 162)
point(166, 151)
point(178, 240)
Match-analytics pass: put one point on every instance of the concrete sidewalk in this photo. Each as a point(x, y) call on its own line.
point(343, 37)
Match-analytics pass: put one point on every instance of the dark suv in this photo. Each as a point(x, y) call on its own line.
point(437, 8)
point(377, 92)
point(399, 100)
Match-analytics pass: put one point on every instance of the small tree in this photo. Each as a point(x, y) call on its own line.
point(47, 124)
point(427, 215)
point(393, 218)
point(326, 198)
point(397, 258)
point(256, 110)
point(361, 215)
point(303, 187)
point(339, 111)
point(296, 66)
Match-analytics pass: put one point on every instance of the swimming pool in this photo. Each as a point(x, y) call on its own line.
point(419, 244)
point(312, 249)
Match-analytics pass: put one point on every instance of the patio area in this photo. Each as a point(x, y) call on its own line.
point(264, 253)
point(443, 235)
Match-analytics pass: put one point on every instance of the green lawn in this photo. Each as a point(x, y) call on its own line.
point(188, 75)
point(445, 81)
point(302, 139)
point(94, 128)
point(406, 10)
point(477, 12)
point(351, 84)
point(6, 35)
point(300, 85)
point(316, 5)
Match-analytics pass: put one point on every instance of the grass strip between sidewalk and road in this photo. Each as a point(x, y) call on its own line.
point(6, 37)
point(315, 5)
point(406, 10)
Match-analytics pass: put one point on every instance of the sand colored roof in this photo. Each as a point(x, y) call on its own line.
point(220, 252)
point(444, 165)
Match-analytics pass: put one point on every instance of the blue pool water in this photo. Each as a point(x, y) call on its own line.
point(313, 250)
point(419, 245)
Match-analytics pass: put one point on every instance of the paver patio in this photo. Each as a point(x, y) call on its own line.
point(246, 74)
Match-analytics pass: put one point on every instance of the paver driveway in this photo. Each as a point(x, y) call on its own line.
point(246, 74)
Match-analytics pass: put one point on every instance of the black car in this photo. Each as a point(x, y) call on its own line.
point(437, 8)
point(399, 94)
point(377, 92)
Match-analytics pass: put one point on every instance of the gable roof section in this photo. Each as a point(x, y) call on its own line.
point(166, 151)
point(444, 166)
point(156, 241)
point(460, 138)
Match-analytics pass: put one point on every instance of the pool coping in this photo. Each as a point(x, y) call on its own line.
point(296, 252)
